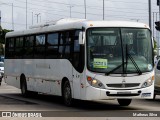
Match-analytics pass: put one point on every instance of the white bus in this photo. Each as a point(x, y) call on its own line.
point(80, 59)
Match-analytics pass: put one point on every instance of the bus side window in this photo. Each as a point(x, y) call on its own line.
point(65, 45)
point(78, 54)
point(19, 49)
point(10, 45)
point(28, 47)
point(40, 46)
point(52, 46)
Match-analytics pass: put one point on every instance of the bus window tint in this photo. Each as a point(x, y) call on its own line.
point(65, 45)
point(52, 39)
point(40, 46)
point(29, 47)
point(9, 50)
point(19, 47)
point(78, 54)
point(52, 46)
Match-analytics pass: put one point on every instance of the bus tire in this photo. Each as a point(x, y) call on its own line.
point(67, 94)
point(24, 90)
point(154, 96)
point(124, 102)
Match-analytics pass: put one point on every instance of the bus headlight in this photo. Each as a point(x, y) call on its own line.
point(148, 82)
point(95, 83)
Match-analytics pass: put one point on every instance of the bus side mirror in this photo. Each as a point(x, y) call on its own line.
point(81, 37)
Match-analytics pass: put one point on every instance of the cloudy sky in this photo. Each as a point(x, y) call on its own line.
point(48, 10)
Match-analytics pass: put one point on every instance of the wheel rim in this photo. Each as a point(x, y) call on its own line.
point(67, 94)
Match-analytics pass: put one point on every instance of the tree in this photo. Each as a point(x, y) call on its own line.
point(2, 35)
point(2, 39)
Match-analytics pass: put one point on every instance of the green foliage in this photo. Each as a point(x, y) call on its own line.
point(2, 35)
point(155, 44)
point(2, 39)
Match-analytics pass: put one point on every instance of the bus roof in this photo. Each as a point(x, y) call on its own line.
point(68, 24)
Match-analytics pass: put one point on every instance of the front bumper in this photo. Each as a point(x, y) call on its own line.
point(100, 94)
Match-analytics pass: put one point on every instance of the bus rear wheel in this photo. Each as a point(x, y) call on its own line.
point(124, 102)
point(67, 94)
point(24, 90)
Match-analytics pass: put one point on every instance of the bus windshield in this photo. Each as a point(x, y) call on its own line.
point(119, 50)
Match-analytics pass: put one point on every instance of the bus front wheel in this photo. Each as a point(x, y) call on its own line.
point(154, 97)
point(67, 94)
point(124, 102)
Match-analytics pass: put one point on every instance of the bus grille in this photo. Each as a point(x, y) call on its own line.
point(126, 85)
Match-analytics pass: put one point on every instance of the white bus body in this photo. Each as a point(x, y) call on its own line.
point(94, 77)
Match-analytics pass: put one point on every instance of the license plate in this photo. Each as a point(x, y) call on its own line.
point(123, 92)
point(146, 94)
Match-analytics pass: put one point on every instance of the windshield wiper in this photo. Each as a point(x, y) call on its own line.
point(123, 63)
point(135, 64)
point(114, 69)
point(132, 60)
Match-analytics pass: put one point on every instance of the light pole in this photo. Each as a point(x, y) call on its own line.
point(85, 8)
point(154, 15)
point(26, 14)
point(157, 33)
point(32, 18)
point(70, 7)
point(159, 11)
point(0, 25)
point(103, 9)
point(12, 18)
point(150, 23)
point(37, 16)
point(0, 20)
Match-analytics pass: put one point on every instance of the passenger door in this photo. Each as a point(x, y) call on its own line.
point(77, 65)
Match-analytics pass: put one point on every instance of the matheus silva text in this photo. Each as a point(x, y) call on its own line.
point(145, 114)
